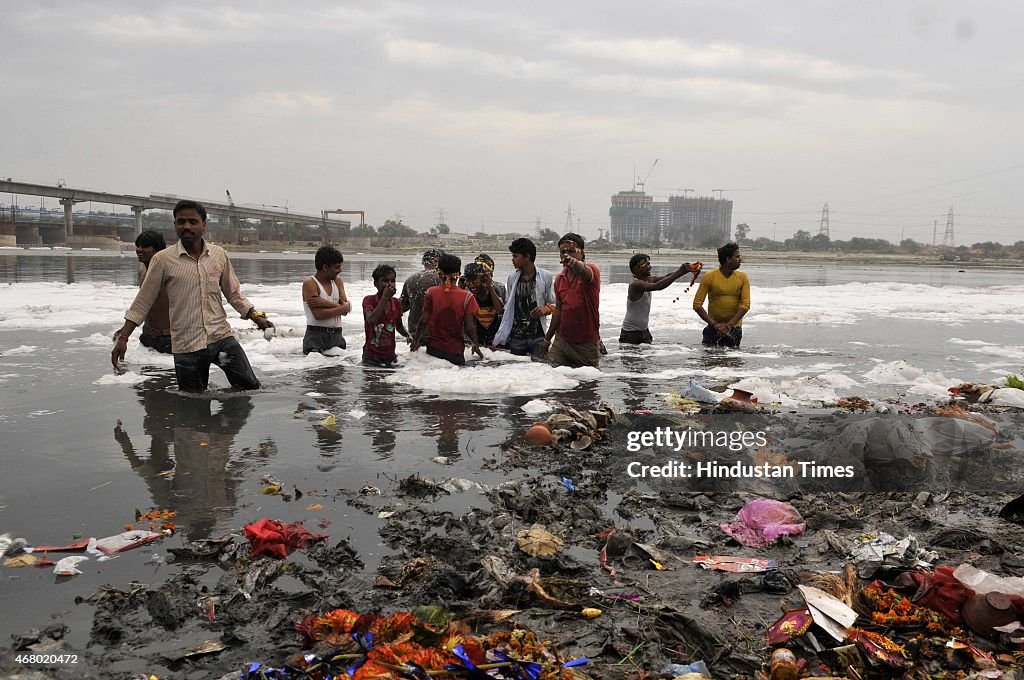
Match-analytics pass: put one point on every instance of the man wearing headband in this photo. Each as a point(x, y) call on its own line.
point(492, 305)
point(415, 288)
point(487, 262)
point(448, 313)
point(577, 319)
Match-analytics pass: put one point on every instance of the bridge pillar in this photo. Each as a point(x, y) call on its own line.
point(69, 223)
point(138, 210)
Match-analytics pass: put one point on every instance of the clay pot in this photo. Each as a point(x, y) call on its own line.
point(983, 613)
point(538, 435)
point(743, 396)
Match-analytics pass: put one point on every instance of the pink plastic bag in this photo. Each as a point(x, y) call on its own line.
point(762, 521)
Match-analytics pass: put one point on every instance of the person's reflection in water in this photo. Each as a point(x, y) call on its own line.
point(715, 357)
point(638, 389)
point(202, 490)
point(447, 419)
point(384, 411)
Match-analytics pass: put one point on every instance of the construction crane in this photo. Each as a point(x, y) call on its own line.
point(236, 227)
point(721, 190)
point(641, 183)
point(684, 191)
point(325, 236)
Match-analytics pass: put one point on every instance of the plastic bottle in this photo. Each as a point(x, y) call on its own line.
point(783, 665)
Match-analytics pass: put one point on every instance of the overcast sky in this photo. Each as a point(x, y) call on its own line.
point(503, 112)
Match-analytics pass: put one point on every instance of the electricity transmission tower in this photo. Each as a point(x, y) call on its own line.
point(947, 238)
point(823, 227)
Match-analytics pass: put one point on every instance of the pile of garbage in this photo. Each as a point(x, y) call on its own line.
point(578, 430)
point(419, 644)
point(930, 620)
point(19, 552)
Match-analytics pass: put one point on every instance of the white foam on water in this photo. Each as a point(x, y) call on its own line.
point(958, 341)
point(787, 350)
point(69, 308)
point(662, 350)
point(79, 304)
point(126, 378)
point(931, 390)
point(803, 391)
point(900, 372)
point(535, 406)
point(850, 302)
point(1013, 352)
point(438, 376)
point(20, 349)
point(838, 380)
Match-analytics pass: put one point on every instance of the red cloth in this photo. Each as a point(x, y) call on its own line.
point(579, 302)
point(938, 591)
point(445, 310)
point(277, 538)
point(386, 348)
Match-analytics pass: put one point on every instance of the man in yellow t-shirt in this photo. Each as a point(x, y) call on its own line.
point(728, 293)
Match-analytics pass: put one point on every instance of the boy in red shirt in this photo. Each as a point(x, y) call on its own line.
point(382, 318)
point(448, 314)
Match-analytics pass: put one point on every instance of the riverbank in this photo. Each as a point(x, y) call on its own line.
point(598, 565)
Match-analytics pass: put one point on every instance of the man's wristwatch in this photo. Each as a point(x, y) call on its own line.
point(253, 314)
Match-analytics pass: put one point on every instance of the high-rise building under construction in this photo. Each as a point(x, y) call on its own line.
point(698, 222)
point(633, 219)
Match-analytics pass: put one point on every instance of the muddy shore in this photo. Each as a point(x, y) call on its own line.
point(658, 608)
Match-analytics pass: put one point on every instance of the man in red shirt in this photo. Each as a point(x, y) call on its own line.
point(448, 313)
point(382, 318)
point(577, 320)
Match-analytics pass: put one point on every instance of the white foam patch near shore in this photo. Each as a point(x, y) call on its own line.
point(438, 376)
point(126, 378)
point(535, 406)
point(902, 373)
point(805, 391)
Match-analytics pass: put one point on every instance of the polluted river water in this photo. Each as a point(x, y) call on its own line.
point(83, 448)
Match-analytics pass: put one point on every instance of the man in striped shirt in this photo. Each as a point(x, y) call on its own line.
point(194, 273)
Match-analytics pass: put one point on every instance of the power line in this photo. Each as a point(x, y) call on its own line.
point(955, 181)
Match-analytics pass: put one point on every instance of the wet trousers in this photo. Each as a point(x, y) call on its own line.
point(712, 338)
point(192, 369)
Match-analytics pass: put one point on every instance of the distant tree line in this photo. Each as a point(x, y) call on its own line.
point(804, 241)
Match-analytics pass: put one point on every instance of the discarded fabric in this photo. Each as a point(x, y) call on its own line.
point(277, 539)
point(760, 522)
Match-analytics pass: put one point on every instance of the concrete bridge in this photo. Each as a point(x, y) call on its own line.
point(69, 196)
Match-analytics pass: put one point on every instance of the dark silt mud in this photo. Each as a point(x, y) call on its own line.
point(453, 544)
